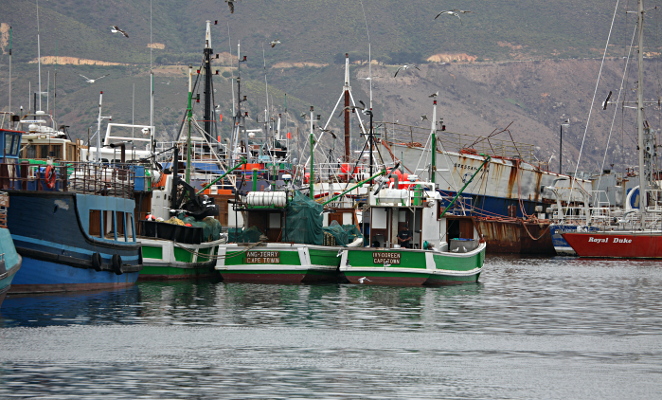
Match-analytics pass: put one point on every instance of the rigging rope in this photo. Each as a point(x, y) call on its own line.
point(602, 63)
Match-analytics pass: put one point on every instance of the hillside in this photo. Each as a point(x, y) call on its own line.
point(319, 31)
point(534, 65)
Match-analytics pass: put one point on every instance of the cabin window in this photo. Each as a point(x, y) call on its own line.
point(8, 144)
point(130, 233)
point(96, 223)
point(46, 151)
point(11, 145)
point(43, 151)
point(379, 218)
point(111, 225)
point(30, 152)
point(274, 220)
point(72, 154)
point(119, 223)
point(17, 146)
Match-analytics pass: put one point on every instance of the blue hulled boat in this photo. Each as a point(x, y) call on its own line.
point(72, 222)
point(10, 261)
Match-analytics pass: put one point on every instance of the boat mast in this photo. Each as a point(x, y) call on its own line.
point(99, 118)
point(10, 47)
point(346, 89)
point(39, 56)
point(311, 179)
point(189, 117)
point(433, 145)
point(236, 142)
point(640, 110)
point(48, 88)
point(151, 84)
point(208, 83)
point(267, 122)
point(229, 153)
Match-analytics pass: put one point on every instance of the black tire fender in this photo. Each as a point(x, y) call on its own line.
point(96, 261)
point(116, 262)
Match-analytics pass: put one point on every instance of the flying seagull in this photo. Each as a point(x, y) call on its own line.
point(453, 12)
point(274, 43)
point(405, 67)
point(364, 279)
point(88, 80)
point(424, 117)
point(330, 132)
point(115, 29)
point(435, 94)
point(231, 5)
point(361, 108)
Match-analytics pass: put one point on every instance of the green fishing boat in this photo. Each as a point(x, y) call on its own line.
point(413, 240)
point(411, 246)
point(283, 241)
point(181, 254)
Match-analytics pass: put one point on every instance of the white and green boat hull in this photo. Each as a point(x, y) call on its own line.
point(411, 267)
point(285, 263)
point(166, 259)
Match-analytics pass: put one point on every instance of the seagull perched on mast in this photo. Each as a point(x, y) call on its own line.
point(405, 67)
point(453, 12)
point(115, 29)
point(88, 80)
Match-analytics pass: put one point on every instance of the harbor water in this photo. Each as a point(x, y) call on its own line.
point(533, 328)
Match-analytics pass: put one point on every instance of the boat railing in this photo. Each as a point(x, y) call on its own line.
point(571, 215)
point(342, 172)
point(107, 179)
point(600, 215)
point(200, 151)
point(600, 198)
point(463, 205)
point(654, 201)
point(632, 221)
point(80, 177)
point(207, 161)
point(451, 141)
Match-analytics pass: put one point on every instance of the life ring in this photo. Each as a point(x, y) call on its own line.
point(116, 263)
point(96, 261)
point(49, 177)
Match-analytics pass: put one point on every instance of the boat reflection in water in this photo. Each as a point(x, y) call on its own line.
point(82, 308)
point(331, 306)
point(228, 304)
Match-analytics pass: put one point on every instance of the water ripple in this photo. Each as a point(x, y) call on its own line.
point(547, 328)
